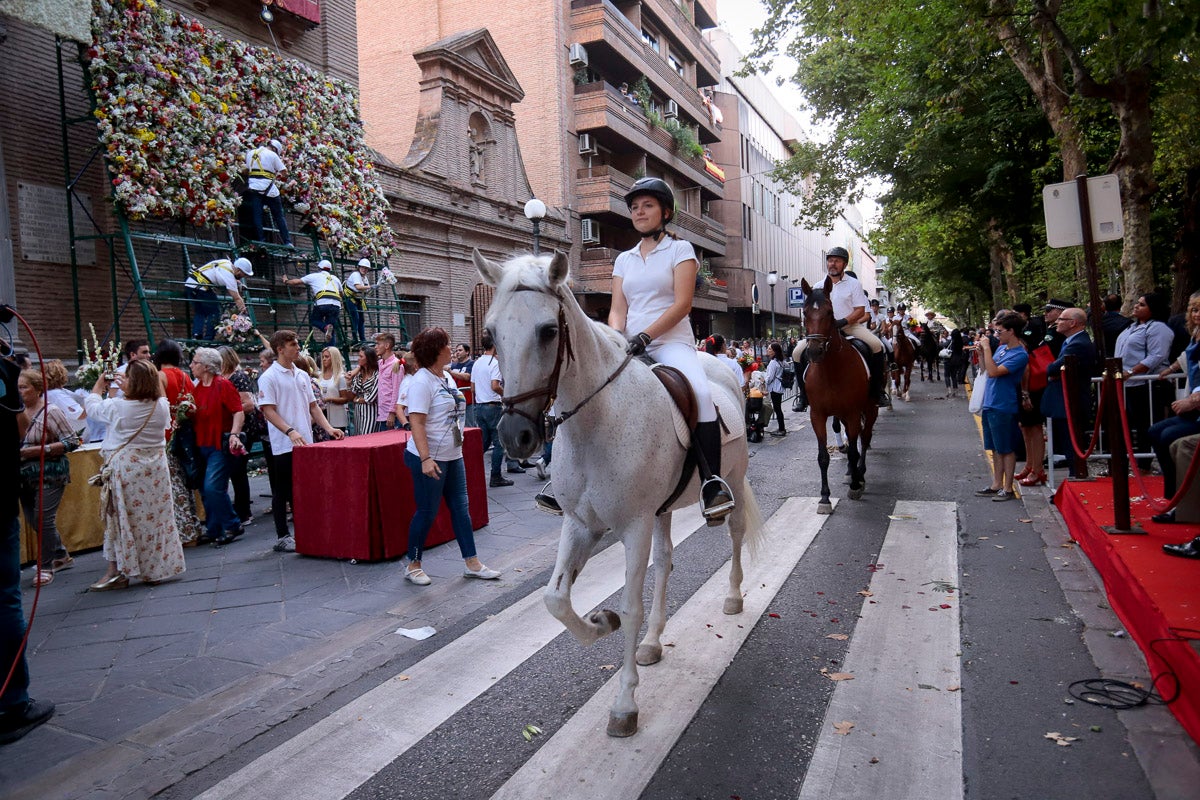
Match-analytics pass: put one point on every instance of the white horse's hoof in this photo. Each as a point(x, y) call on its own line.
point(606, 619)
point(855, 494)
point(648, 654)
point(622, 725)
point(824, 508)
point(733, 605)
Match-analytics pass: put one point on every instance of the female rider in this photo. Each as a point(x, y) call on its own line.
point(653, 286)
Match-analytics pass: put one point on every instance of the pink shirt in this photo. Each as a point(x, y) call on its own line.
point(389, 387)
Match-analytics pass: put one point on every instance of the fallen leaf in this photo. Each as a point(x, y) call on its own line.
point(773, 615)
point(1024, 520)
point(841, 637)
point(998, 546)
point(945, 605)
point(984, 538)
point(1095, 729)
point(1060, 740)
point(608, 666)
point(901, 516)
point(402, 678)
point(953, 688)
point(839, 676)
point(866, 593)
point(927, 686)
point(843, 728)
point(873, 760)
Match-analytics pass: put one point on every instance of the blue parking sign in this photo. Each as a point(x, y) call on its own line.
point(795, 297)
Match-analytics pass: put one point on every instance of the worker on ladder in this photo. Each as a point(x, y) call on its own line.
point(355, 289)
point(263, 165)
point(327, 298)
point(200, 288)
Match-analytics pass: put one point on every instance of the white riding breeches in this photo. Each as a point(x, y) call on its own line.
point(684, 358)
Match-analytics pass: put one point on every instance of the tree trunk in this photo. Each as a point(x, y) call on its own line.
point(1185, 267)
point(1134, 166)
point(1001, 262)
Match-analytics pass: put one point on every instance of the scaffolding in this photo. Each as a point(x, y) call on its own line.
point(149, 260)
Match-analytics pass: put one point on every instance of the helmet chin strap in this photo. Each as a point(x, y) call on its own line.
point(658, 233)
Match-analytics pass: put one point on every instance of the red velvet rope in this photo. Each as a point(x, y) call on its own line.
point(1184, 485)
point(1071, 422)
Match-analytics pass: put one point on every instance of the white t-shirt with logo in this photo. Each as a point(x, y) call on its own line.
point(649, 287)
point(443, 405)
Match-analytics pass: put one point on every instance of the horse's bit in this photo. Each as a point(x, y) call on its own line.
point(549, 422)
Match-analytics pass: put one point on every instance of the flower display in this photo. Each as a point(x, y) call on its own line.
point(182, 412)
point(179, 105)
point(386, 276)
point(234, 328)
point(99, 359)
point(745, 359)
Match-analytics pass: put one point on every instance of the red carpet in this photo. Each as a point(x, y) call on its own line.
point(1157, 596)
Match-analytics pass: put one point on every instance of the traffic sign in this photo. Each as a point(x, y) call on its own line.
point(1061, 204)
point(795, 297)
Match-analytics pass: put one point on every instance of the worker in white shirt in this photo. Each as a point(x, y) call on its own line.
point(200, 288)
point(355, 289)
point(264, 166)
point(327, 298)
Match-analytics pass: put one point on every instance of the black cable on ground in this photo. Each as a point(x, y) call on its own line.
point(1121, 696)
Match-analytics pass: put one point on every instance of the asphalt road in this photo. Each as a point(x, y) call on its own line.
point(1027, 611)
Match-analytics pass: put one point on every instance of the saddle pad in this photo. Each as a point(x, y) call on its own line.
point(729, 411)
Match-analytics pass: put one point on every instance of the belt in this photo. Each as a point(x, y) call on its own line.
point(493, 403)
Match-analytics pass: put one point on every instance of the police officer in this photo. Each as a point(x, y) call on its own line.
point(200, 288)
point(327, 298)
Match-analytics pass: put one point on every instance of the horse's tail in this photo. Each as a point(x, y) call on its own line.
point(752, 514)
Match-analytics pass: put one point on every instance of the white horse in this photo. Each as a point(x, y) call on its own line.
point(616, 457)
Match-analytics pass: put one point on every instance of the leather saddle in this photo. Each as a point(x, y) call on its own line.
point(677, 386)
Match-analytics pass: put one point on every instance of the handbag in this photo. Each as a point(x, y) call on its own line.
point(1039, 362)
point(978, 387)
point(105, 474)
point(185, 451)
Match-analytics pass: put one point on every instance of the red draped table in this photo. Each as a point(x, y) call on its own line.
point(354, 498)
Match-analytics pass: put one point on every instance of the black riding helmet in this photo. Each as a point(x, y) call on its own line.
point(839, 252)
point(657, 188)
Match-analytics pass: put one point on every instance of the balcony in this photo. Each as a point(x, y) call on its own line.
point(708, 63)
point(601, 110)
point(607, 33)
point(594, 273)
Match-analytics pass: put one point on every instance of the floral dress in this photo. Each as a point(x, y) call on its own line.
point(183, 500)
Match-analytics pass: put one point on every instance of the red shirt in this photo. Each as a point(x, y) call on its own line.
point(178, 384)
point(215, 406)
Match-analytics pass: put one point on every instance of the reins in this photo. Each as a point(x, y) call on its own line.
point(565, 353)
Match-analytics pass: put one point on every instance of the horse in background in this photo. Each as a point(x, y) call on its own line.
point(927, 354)
point(904, 355)
point(617, 458)
point(837, 382)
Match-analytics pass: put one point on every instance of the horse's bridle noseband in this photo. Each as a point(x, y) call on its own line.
point(549, 422)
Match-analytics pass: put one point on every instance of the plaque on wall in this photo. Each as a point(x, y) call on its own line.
point(42, 214)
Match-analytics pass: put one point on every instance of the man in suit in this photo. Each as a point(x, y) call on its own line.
point(1113, 323)
point(1071, 324)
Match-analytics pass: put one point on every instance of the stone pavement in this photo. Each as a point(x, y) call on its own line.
point(153, 682)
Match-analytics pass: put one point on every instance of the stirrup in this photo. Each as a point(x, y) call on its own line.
point(716, 513)
point(546, 501)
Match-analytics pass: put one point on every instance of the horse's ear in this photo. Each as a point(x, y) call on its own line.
point(559, 268)
point(489, 270)
point(805, 287)
point(827, 287)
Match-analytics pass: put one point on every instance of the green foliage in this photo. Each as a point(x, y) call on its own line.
point(641, 90)
point(686, 143)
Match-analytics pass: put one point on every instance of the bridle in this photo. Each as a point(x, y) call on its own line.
point(818, 343)
point(549, 422)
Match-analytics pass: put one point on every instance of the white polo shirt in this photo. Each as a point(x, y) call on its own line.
point(485, 370)
point(847, 295)
point(325, 287)
point(649, 287)
point(290, 391)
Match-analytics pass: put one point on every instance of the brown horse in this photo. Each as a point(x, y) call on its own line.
point(904, 355)
point(837, 382)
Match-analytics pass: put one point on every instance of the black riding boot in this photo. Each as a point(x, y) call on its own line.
point(716, 497)
point(801, 401)
point(878, 364)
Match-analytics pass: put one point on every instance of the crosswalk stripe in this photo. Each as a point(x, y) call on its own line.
point(904, 703)
point(581, 761)
point(341, 752)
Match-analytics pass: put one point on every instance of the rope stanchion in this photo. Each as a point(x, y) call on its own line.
point(1193, 466)
point(1071, 420)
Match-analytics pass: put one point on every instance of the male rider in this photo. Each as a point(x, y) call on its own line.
point(849, 312)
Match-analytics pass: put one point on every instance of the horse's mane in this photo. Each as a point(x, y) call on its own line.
point(527, 272)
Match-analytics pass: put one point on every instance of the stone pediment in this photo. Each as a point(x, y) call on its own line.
point(473, 55)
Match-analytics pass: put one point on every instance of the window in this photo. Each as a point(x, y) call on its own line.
point(746, 218)
point(675, 65)
point(650, 39)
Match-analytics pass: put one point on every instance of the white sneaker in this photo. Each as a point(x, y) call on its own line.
point(543, 471)
point(285, 545)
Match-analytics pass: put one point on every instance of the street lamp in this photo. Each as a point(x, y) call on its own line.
point(772, 279)
point(535, 212)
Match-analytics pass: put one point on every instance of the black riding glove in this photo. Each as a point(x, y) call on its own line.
point(637, 344)
point(840, 322)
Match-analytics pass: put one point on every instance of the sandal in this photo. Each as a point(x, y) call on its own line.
point(66, 562)
point(44, 577)
point(1025, 473)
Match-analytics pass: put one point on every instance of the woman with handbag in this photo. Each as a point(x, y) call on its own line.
point(219, 419)
point(775, 386)
point(43, 483)
point(140, 537)
point(178, 388)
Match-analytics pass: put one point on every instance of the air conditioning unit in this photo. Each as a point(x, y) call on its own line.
point(587, 145)
point(672, 110)
point(577, 55)
point(591, 231)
